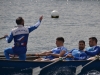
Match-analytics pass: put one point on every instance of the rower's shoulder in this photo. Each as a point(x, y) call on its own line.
point(14, 29)
point(64, 47)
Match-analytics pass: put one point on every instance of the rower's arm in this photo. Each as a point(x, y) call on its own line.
point(55, 55)
point(62, 53)
point(9, 38)
point(59, 55)
point(93, 53)
point(45, 52)
point(71, 51)
point(31, 28)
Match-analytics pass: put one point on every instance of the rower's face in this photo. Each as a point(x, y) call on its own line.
point(81, 46)
point(58, 43)
point(91, 42)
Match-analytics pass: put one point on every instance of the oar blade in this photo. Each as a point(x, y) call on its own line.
point(36, 71)
point(78, 69)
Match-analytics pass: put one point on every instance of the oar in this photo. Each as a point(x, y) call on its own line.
point(36, 55)
point(30, 58)
point(79, 68)
point(36, 71)
point(2, 37)
point(2, 55)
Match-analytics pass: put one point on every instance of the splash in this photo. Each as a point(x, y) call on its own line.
point(61, 71)
point(93, 72)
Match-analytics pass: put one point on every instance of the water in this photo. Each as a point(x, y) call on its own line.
point(54, 71)
point(78, 19)
point(93, 72)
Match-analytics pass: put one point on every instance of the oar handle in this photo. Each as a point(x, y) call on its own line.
point(36, 55)
point(2, 55)
point(2, 37)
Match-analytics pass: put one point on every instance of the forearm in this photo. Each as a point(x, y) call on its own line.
point(31, 28)
point(55, 55)
point(92, 53)
point(46, 52)
point(43, 53)
point(62, 53)
point(9, 38)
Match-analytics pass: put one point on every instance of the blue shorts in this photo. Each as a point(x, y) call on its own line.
point(49, 57)
point(10, 51)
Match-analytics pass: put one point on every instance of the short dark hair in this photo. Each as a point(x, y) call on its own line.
point(60, 39)
point(19, 20)
point(82, 41)
point(94, 39)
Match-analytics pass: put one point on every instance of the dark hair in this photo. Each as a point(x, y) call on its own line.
point(94, 39)
point(82, 41)
point(19, 20)
point(60, 39)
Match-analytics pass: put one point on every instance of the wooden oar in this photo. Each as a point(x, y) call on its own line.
point(35, 55)
point(36, 71)
point(79, 68)
point(2, 37)
point(2, 55)
point(31, 57)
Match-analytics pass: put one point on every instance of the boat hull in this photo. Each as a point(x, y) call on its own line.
point(61, 65)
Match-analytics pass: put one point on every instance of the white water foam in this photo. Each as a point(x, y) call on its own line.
point(93, 72)
point(61, 71)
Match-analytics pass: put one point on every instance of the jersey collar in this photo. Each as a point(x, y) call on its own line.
point(19, 25)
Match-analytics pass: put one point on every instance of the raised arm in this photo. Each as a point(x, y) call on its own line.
point(31, 28)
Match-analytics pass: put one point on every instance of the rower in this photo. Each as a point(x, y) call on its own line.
point(20, 36)
point(77, 54)
point(57, 52)
point(93, 49)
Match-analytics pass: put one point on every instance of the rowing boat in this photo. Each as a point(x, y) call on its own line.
point(69, 66)
point(59, 67)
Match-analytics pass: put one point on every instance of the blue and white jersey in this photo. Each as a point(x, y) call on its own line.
point(92, 51)
point(20, 35)
point(56, 51)
point(77, 55)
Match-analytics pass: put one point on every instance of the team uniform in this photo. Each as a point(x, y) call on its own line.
point(20, 35)
point(92, 51)
point(56, 51)
point(77, 55)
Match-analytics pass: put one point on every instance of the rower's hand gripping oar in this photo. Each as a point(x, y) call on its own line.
point(79, 68)
point(36, 71)
point(3, 37)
